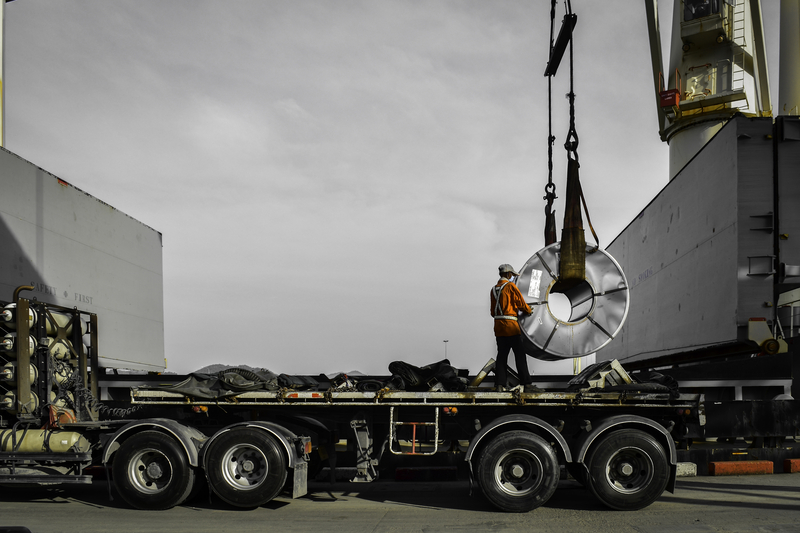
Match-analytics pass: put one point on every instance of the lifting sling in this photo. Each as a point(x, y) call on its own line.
point(572, 264)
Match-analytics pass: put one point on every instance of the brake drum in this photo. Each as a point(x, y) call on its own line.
point(587, 317)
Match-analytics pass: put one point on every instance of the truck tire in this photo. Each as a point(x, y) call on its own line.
point(518, 471)
point(246, 467)
point(628, 470)
point(151, 471)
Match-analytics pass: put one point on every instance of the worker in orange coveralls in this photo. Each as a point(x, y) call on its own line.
point(507, 302)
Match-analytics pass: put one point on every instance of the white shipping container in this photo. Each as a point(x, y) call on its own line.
point(78, 251)
point(700, 257)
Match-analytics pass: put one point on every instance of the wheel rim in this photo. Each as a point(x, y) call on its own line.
point(518, 472)
point(244, 467)
point(150, 471)
point(629, 470)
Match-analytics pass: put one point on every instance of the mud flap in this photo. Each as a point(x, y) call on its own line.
point(673, 475)
point(300, 479)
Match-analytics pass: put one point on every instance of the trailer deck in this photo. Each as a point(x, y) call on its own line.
point(434, 399)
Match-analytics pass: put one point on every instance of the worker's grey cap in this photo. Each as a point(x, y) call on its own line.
point(508, 268)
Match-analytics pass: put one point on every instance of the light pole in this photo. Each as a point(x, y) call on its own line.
point(445, 349)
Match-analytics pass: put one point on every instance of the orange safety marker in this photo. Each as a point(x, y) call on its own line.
point(740, 468)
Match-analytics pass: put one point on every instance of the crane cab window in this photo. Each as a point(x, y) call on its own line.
point(695, 9)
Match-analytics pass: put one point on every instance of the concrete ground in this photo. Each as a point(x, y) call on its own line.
point(764, 503)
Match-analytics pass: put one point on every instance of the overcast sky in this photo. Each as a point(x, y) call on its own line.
point(336, 181)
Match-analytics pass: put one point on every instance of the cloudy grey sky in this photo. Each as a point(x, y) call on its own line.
point(336, 181)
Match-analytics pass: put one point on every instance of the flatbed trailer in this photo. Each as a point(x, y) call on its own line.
point(162, 447)
point(515, 444)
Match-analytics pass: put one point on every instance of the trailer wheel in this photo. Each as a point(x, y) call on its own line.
point(628, 470)
point(246, 467)
point(518, 471)
point(151, 471)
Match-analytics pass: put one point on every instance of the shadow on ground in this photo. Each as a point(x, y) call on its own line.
point(440, 495)
point(570, 495)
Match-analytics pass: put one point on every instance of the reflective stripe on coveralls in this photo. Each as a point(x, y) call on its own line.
point(496, 291)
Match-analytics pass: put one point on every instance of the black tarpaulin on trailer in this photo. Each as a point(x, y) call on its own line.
point(223, 384)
